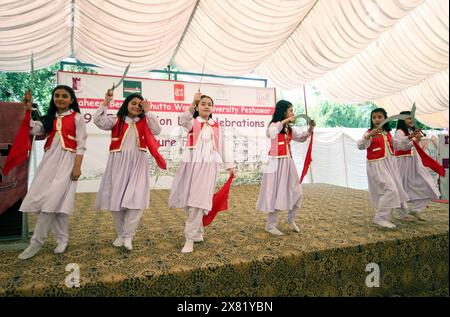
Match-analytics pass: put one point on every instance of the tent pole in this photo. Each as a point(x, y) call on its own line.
point(184, 32)
point(345, 159)
point(72, 28)
point(311, 178)
point(304, 98)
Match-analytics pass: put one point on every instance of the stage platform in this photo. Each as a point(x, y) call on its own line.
point(238, 258)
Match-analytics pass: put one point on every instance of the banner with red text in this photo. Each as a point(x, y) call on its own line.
point(243, 112)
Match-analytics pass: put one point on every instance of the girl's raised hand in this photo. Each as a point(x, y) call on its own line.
point(375, 131)
point(372, 133)
point(418, 138)
point(232, 172)
point(108, 97)
point(287, 120)
point(27, 100)
point(197, 98)
point(195, 102)
point(415, 134)
point(145, 105)
point(312, 124)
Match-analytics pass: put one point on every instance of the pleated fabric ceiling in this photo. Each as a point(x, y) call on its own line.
point(393, 52)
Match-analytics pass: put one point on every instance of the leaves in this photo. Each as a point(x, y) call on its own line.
point(14, 85)
point(331, 114)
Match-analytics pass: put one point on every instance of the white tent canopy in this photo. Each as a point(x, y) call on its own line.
point(394, 52)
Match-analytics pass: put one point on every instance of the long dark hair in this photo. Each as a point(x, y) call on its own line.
point(123, 110)
point(196, 114)
point(280, 114)
point(49, 117)
point(386, 126)
point(401, 124)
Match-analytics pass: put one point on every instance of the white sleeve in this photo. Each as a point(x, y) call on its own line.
point(102, 120)
point(299, 136)
point(364, 143)
point(226, 148)
point(273, 130)
point(36, 128)
point(185, 120)
point(401, 141)
point(81, 134)
point(153, 123)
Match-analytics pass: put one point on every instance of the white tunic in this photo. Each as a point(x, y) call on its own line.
point(195, 179)
point(53, 189)
point(417, 181)
point(385, 183)
point(280, 187)
point(125, 183)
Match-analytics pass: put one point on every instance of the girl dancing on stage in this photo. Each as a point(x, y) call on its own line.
point(417, 181)
point(125, 185)
point(385, 184)
point(52, 193)
point(195, 179)
point(281, 188)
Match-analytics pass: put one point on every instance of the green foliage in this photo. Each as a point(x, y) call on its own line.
point(79, 69)
point(14, 85)
point(330, 114)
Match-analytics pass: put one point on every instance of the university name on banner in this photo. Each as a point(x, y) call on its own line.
point(243, 112)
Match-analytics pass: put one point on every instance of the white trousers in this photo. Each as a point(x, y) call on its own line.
point(126, 222)
point(383, 214)
point(418, 205)
point(403, 210)
point(193, 229)
point(57, 222)
point(273, 218)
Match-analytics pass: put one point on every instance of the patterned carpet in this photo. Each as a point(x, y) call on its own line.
point(238, 258)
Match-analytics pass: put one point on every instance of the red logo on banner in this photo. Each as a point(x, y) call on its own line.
point(76, 83)
point(178, 92)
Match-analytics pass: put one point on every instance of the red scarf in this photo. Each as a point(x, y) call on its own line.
point(220, 202)
point(308, 159)
point(153, 145)
point(427, 161)
point(21, 145)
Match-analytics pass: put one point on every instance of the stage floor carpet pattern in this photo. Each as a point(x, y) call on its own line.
point(238, 258)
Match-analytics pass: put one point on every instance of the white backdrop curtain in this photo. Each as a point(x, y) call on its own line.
point(336, 159)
